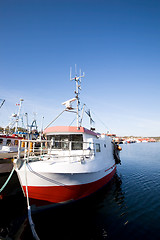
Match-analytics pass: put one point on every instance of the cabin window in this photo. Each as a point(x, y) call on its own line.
point(63, 141)
point(77, 142)
point(59, 141)
point(98, 148)
point(1, 141)
point(105, 145)
point(8, 142)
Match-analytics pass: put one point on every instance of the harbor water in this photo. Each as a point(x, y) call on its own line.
point(127, 208)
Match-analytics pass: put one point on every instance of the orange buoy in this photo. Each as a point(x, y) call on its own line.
point(119, 148)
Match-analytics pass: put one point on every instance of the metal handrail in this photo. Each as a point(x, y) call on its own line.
point(46, 148)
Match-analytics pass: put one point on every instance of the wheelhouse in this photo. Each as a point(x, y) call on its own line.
point(63, 141)
point(70, 138)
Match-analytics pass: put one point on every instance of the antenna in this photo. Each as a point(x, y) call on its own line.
point(70, 73)
point(80, 75)
point(68, 103)
point(78, 87)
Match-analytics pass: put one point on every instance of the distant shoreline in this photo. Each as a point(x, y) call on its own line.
point(133, 139)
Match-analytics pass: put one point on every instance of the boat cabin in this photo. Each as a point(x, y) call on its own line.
point(70, 138)
point(8, 143)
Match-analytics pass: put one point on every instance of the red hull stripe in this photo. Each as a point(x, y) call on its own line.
point(57, 194)
point(110, 168)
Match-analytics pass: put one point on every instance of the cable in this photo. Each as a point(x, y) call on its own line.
point(101, 121)
point(29, 210)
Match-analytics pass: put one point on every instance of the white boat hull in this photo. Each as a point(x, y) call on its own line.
point(66, 174)
point(63, 187)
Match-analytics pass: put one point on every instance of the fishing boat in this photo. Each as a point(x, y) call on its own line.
point(10, 138)
point(9, 143)
point(71, 163)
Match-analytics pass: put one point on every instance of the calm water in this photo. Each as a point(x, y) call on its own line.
point(127, 208)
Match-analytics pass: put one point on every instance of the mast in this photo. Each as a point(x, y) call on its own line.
point(18, 115)
point(78, 87)
point(26, 115)
point(68, 103)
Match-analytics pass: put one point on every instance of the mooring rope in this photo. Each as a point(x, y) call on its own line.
point(46, 178)
point(6, 182)
point(29, 209)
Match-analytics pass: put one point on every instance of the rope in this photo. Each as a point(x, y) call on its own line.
point(29, 210)
point(6, 182)
point(49, 179)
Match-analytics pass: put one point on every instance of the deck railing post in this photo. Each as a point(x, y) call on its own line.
point(25, 150)
point(41, 147)
point(19, 149)
point(33, 146)
point(70, 148)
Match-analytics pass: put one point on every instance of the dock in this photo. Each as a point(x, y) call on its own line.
point(6, 164)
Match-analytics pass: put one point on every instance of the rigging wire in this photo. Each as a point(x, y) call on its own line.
point(101, 121)
point(3, 101)
point(54, 119)
point(72, 121)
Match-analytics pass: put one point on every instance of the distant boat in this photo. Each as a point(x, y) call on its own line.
point(72, 163)
point(9, 144)
point(8, 148)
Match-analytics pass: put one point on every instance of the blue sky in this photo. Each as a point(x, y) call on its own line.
point(116, 43)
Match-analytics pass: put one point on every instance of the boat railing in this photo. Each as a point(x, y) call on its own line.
point(42, 149)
